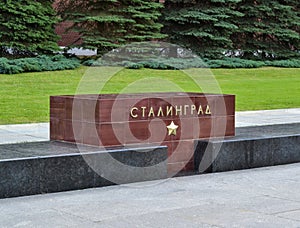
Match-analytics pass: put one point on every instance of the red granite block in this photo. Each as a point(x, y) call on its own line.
point(223, 126)
point(111, 134)
point(158, 131)
point(131, 111)
point(188, 128)
point(57, 129)
point(160, 107)
point(90, 134)
point(183, 150)
point(225, 105)
point(136, 132)
point(182, 106)
point(73, 131)
point(58, 113)
point(203, 127)
point(88, 110)
point(189, 166)
point(57, 101)
point(175, 168)
point(68, 108)
point(205, 106)
point(110, 110)
point(171, 137)
point(136, 109)
point(73, 109)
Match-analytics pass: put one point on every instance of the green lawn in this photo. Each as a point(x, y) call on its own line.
point(24, 98)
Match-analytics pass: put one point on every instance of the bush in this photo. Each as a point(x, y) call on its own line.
point(89, 62)
point(244, 63)
point(155, 63)
point(6, 68)
point(40, 63)
point(284, 63)
point(234, 63)
point(195, 62)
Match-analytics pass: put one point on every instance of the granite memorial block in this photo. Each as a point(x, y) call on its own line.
point(171, 119)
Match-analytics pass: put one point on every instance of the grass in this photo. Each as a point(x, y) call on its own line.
point(262, 88)
point(24, 98)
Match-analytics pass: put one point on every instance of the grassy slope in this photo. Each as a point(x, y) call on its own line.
point(24, 98)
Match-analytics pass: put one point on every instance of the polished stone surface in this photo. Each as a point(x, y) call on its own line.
point(125, 119)
point(44, 167)
point(252, 147)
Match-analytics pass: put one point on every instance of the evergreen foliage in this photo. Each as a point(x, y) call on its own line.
point(268, 29)
point(205, 26)
point(40, 63)
point(27, 27)
point(107, 24)
point(154, 55)
point(249, 29)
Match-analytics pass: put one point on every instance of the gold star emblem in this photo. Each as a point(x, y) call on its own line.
point(172, 128)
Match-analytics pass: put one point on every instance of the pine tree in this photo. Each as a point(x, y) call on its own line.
point(107, 24)
point(204, 26)
point(27, 27)
point(268, 29)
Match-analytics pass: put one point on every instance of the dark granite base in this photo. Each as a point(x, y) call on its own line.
point(44, 167)
point(252, 147)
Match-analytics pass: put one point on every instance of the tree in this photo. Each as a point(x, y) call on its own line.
point(107, 24)
point(204, 26)
point(268, 29)
point(27, 27)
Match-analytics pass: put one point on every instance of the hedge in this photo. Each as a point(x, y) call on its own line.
point(60, 62)
point(40, 63)
point(182, 63)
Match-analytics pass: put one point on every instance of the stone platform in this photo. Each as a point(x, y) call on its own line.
point(44, 167)
point(52, 166)
point(252, 147)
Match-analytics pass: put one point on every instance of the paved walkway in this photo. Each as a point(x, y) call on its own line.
point(16, 133)
point(267, 117)
point(40, 132)
point(266, 197)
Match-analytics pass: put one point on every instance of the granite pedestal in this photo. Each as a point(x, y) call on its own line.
point(44, 167)
point(252, 147)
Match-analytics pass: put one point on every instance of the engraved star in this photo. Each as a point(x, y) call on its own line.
point(172, 128)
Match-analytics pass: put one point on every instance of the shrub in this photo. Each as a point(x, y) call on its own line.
point(89, 62)
point(131, 65)
point(193, 62)
point(155, 63)
point(6, 68)
point(284, 63)
point(234, 63)
point(40, 63)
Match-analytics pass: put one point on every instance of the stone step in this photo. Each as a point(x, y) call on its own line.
point(45, 167)
point(252, 147)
